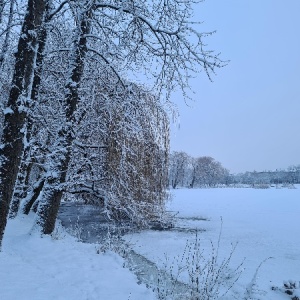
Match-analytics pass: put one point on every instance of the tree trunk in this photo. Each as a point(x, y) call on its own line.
point(56, 175)
point(33, 196)
point(18, 105)
point(21, 185)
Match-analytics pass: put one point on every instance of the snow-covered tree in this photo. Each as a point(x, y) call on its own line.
point(193, 172)
point(178, 171)
point(21, 186)
point(18, 105)
point(131, 37)
point(209, 172)
point(127, 39)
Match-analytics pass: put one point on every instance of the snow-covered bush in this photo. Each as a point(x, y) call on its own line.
point(209, 277)
point(114, 242)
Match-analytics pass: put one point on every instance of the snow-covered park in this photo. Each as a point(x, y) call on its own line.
point(262, 223)
point(102, 196)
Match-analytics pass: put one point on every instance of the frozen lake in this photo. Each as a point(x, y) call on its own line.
point(264, 223)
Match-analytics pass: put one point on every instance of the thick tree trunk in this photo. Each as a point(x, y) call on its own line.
point(21, 187)
point(193, 178)
point(18, 106)
point(56, 177)
point(22, 182)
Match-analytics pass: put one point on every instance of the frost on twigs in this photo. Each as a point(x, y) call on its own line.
point(156, 40)
point(252, 289)
point(120, 156)
point(207, 274)
point(113, 241)
point(76, 230)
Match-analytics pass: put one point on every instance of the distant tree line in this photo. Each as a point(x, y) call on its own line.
point(291, 175)
point(206, 172)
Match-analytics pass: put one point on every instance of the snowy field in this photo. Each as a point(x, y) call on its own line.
point(264, 223)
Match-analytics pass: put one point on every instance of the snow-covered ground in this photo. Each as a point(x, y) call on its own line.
point(264, 223)
point(34, 268)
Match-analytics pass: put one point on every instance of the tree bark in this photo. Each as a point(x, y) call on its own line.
point(33, 196)
point(18, 106)
point(56, 176)
point(21, 188)
point(21, 185)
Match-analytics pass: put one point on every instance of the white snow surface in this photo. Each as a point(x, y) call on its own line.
point(35, 268)
point(264, 223)
point(8, 111)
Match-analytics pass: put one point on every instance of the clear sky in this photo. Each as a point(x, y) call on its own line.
point(249, 117)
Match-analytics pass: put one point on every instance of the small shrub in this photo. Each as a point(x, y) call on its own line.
point(209, 277)
point(113, 242)
point(76, 230)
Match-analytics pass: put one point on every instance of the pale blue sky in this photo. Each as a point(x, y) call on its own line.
point(249, 117)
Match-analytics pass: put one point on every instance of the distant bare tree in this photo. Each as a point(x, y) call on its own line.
point(209, 171)
point(187, 171)
point(178, 170)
